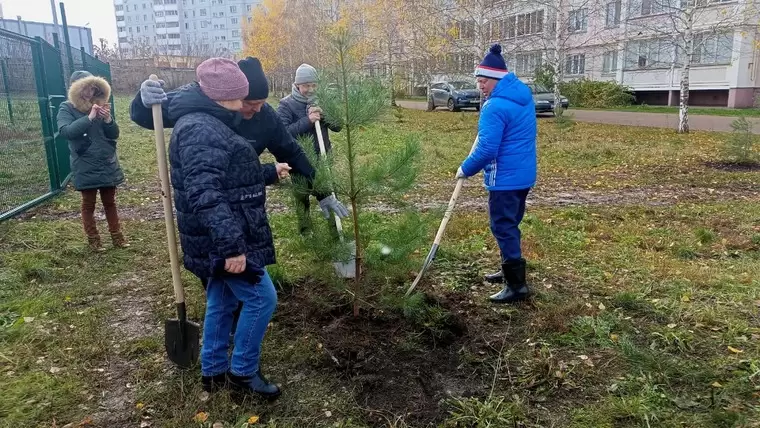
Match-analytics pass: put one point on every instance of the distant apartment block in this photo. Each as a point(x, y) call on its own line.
point(638, 43)
point(181, 27)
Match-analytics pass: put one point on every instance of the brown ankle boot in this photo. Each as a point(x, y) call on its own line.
point(119, 241)
point(95, 244)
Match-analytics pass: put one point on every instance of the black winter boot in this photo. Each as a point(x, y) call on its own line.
point(214, 383)
point(516, 288)
point(254, 384)
point(495, 278)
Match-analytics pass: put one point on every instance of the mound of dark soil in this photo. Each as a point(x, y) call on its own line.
point(394, 367)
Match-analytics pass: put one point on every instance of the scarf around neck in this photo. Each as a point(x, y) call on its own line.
point(296, 95)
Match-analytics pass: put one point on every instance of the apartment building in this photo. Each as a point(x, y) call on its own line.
point(182, 27)
point(638, 43)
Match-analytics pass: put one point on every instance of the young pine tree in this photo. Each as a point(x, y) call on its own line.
point(368, 166)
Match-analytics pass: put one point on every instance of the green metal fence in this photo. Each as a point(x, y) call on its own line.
point(34, 158)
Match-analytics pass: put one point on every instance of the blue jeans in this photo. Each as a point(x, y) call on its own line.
point(222, 297)
point(506, 209)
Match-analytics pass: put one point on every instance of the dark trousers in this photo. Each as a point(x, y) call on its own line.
point(303, 213)
point(506, 209)
point(108, 198)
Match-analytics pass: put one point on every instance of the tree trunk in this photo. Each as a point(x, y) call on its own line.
point(683, 109)
point(390, 72)
point(558, 69)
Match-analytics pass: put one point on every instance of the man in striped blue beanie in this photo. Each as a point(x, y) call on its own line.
point(506, 152)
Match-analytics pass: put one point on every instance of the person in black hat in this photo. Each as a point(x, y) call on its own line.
point(260, 124)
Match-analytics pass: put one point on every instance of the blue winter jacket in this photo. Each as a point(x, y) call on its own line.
point(506, 146)
point(219, 186)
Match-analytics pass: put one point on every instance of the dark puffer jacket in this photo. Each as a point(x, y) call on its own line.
point(92, 144)
point(295, 115)
point(219, 186)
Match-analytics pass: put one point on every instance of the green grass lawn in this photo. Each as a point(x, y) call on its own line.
point(643, 254)
point(707, 111)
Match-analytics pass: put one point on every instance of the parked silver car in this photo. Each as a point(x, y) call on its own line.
point(454, 95)
point(544, 98)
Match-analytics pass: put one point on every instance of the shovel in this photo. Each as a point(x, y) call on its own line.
point(181, 337)
point(344, 269)
point(438, 236)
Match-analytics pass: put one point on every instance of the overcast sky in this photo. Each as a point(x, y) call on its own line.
point(95, 14)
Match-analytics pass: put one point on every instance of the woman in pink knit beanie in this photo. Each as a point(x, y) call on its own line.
point(220, 194)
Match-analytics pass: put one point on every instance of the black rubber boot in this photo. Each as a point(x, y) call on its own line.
point(254, 384)
point(516, 288)
point(495, 278)
point(214, 383)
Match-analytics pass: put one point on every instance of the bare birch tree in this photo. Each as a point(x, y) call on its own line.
point(681, 34)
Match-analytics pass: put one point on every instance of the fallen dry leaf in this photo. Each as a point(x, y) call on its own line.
point(734, 350)
point(253, 420)
point(200, 417)
point(716, 385)
point(139, 406)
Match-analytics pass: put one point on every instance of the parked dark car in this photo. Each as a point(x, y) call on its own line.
point(544, 98)
point(454, 95)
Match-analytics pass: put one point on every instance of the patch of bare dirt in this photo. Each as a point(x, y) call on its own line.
point(734, 167)
point(476, 199)
point(131, 319)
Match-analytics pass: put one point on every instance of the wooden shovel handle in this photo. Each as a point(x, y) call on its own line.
point(323, 152)
point(166, 197)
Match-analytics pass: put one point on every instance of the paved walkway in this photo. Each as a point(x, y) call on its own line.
point(628, 118)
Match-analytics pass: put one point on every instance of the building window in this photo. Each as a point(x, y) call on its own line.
point(123, 40)
point(203, 12)
point(233, 20)
point(578, 20)
point(712, 49)
point(527, 63)
point(235, 33)
point(613, 14)
point(530, 23)
point(172, 13)
point(138, 29)
point(233, 9)
point(610, 62)
point(145, 6)
point(235, 45)
point(119, 7)
point(650, 53)
point(203, 24)
point(172, 24)
point(127, 8)
point(187, 26)
point(467, 30)
point(159, 14)
point(249, 7)
point(575, 64)
point(119, 19)
point(146, 28)
point(174, 36)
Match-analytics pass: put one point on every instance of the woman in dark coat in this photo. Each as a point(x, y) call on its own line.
point(220, 195)
point(85, 121)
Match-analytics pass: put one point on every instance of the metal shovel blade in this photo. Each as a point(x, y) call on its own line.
point(347, 269)
point(182, 341)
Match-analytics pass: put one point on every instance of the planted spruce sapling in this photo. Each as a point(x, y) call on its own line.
point(366, 167)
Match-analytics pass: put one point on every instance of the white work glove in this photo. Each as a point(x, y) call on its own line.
point(460, 174)
point(152, 92)
point(331, 203)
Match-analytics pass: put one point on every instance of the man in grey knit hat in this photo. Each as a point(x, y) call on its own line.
point(299, 113)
